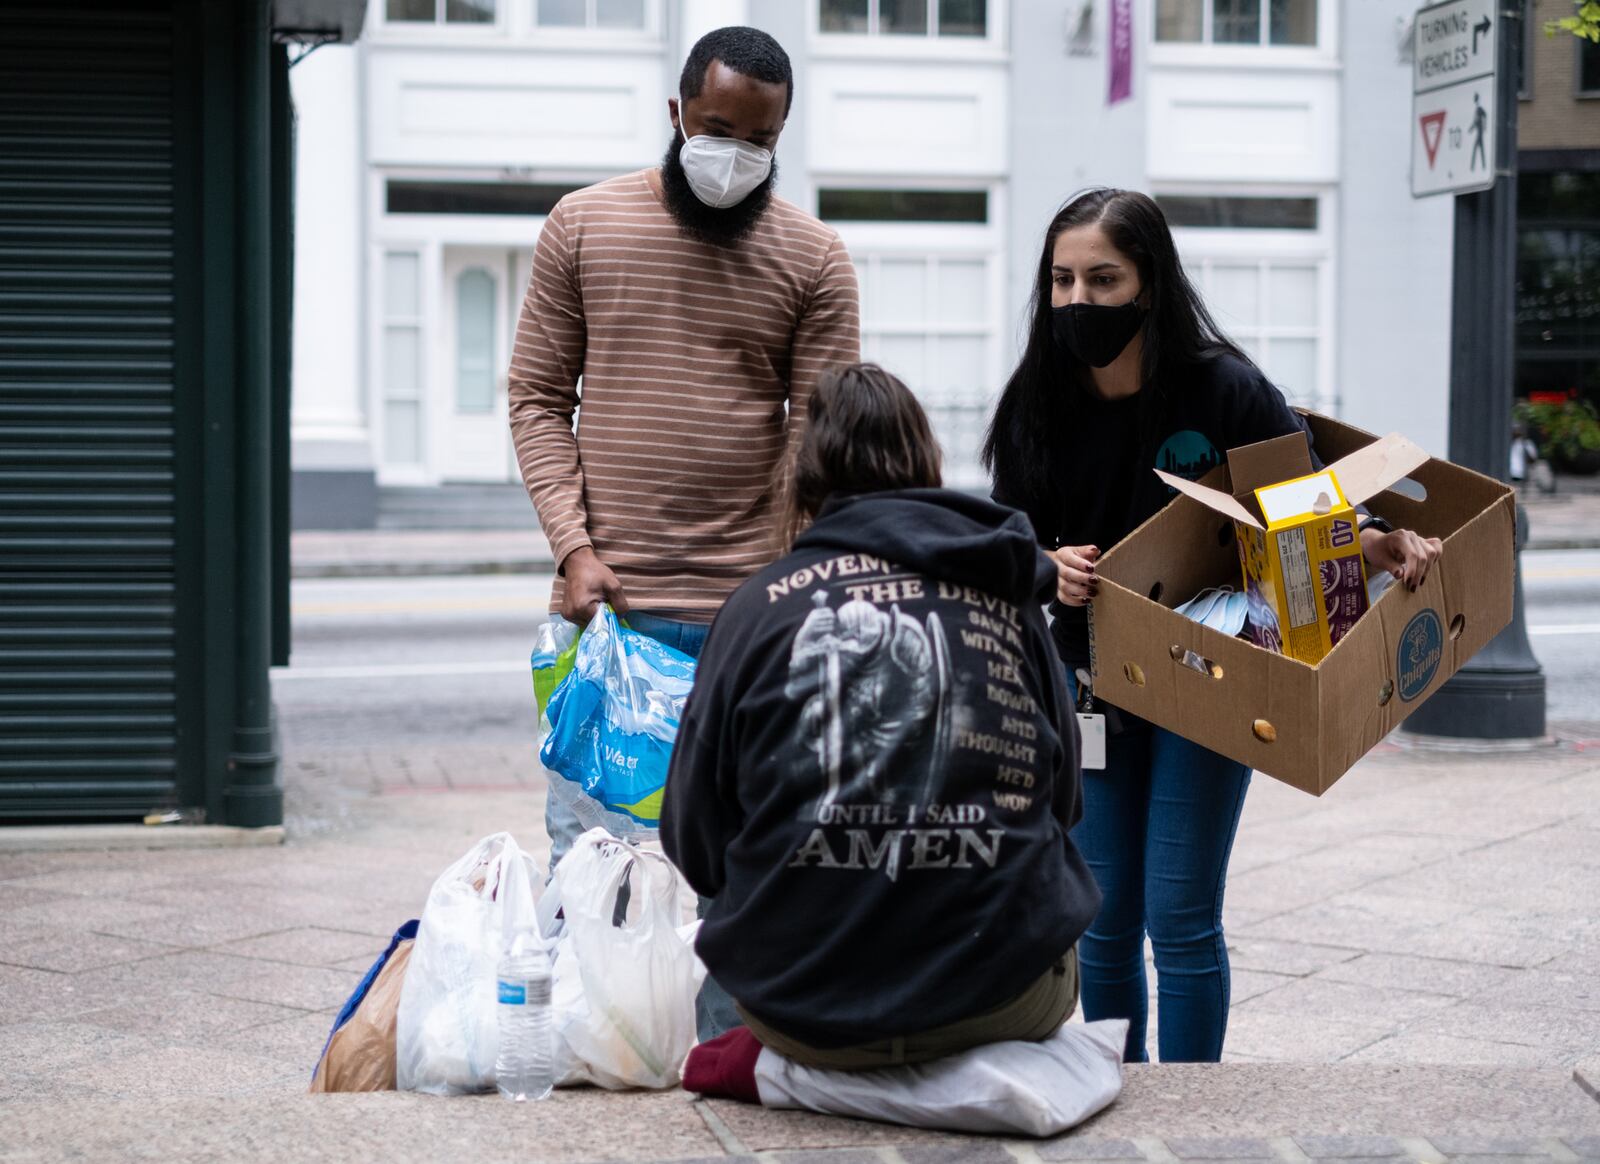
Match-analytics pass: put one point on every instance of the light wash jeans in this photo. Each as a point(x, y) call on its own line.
point(714, 1011)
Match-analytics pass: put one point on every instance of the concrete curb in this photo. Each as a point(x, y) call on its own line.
point(1566, 521)
point(1564, 543)
point(98, 838)
point(443, 568)
point(1163, 1116)
point(1420, 745)
point(426, 569)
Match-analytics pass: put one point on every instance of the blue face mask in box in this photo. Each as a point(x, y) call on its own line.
point(1221, 608)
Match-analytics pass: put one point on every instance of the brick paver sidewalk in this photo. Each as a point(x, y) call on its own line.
point(1413, 959)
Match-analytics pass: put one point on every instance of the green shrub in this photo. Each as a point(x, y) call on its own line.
point(1564, 427)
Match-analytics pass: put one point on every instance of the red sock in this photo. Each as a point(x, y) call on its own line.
point(725, 1067)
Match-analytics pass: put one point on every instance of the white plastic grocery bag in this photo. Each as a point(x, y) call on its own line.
point(446, 1032)
point(1012, 1088)
point(624, 988)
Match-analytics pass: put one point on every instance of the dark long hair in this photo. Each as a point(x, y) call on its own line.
point(866, 433)
point(1036, 407)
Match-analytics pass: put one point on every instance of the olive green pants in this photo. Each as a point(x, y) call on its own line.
point(1036, 1013)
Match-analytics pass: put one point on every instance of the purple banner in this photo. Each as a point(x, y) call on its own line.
point(1121, 28)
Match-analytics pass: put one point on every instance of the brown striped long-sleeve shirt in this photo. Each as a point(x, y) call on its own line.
point(688, 354)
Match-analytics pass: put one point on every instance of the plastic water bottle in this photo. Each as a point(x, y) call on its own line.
point(525, 1067)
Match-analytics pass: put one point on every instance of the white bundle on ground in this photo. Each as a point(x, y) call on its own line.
point(447, 1029)
point(1012, 1088)
point(625, 983)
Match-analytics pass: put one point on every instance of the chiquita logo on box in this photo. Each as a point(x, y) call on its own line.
point(1421, 648)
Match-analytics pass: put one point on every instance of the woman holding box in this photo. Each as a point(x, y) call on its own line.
point(1126, 372)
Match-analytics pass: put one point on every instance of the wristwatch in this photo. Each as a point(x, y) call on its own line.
point(1373, 521)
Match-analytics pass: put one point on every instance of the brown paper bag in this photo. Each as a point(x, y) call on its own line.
point(360, 1056)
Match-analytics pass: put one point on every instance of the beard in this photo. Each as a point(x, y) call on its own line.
point(727, 227)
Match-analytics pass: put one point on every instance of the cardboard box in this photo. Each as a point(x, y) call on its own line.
point(1305, 724)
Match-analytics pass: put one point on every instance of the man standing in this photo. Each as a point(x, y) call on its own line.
point(698, 309)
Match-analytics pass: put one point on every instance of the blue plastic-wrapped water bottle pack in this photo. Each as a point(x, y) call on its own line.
point(614, 718)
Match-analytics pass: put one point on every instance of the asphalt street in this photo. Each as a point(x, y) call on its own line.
point(1562, 594)
point(420, 661)
point(438, 661)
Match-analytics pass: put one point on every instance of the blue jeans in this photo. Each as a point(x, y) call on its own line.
point(1157, 830)
point(714, 1012)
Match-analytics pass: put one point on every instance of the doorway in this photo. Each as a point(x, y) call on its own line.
point(483, 290)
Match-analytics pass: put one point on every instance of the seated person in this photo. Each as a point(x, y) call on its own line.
point(878, 765)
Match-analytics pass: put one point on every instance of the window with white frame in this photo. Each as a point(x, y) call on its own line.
point(402, 358)
point(625, 15)
point(946, 18)
point(475, 347)
point(1270, 307)
point(1212, 212)
point(926, 318)
point(929, 266)
point(1264, 268)
point(1245, 22)
point(845, 204)
point(439, 11)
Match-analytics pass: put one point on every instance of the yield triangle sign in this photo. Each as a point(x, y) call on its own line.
point(1432, 131)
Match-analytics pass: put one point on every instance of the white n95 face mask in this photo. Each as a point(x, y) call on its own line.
point(723, 170)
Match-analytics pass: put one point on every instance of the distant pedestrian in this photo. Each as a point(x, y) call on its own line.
point(1124, 370)
point(697, 309)
point(1527, 464)
point(878, 766)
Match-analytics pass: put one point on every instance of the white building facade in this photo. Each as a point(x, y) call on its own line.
point(937, 136)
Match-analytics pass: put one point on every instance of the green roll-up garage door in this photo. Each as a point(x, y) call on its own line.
point(88, 663)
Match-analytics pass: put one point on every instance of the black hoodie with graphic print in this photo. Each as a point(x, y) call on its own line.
point(876, 772)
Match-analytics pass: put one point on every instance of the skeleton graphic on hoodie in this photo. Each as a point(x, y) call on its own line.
point(876, 686)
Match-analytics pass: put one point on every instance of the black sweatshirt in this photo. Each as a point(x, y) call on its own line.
point(876, 771)
point(1110, 488)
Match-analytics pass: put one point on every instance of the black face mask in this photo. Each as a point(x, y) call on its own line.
point(1095, 334)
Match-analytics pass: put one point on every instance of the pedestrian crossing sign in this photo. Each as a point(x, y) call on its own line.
point(1454, 51)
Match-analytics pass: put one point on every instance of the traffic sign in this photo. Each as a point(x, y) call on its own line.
point(1453, 97)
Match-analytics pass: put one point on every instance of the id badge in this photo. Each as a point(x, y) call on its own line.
point(1092, 729)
